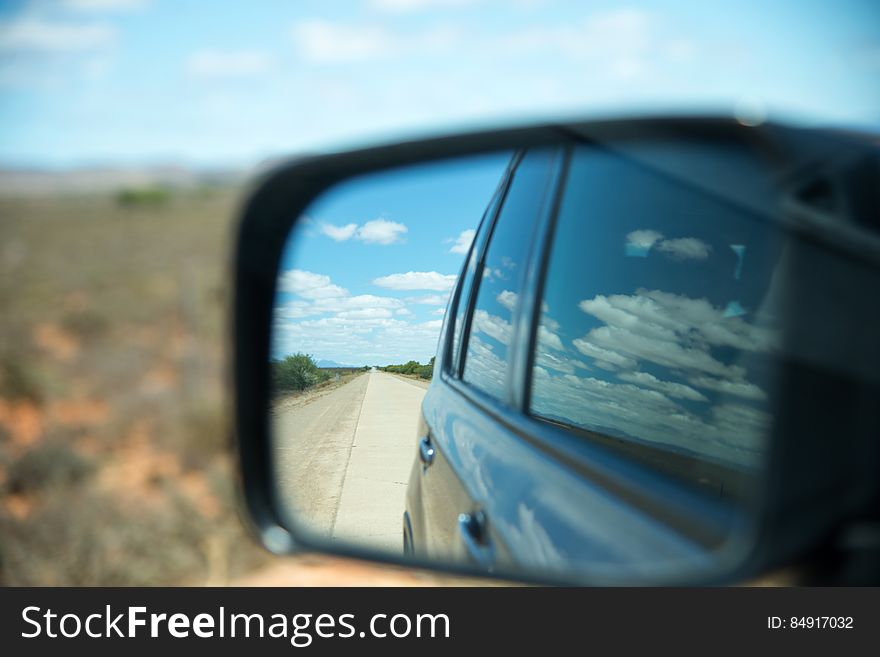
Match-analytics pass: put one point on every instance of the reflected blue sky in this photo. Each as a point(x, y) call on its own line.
point(366, 275)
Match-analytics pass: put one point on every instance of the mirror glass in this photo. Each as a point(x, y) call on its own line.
point(560, 359)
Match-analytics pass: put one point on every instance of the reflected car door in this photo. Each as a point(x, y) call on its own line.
point(461, 411)
point(556, 448)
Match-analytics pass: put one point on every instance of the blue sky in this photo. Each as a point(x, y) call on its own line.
point(229, 83)
point(366, 276)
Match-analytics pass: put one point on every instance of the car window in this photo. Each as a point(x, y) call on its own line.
point(467, 281)
point(657, 321)
point(500, 278)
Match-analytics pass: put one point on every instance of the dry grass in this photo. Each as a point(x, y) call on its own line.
point(114, 453)
point(115, 464)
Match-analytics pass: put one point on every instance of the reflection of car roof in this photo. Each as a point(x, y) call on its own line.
point(794, 160)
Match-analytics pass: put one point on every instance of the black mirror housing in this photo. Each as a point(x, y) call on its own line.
point(820, 492)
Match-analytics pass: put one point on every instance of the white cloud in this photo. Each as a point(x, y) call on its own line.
point(339, 233)
point(671, 388)
point(685, 248)
point(742, 389)
point(484, 368)
point(417, 280)
point(365, 313)
point(321, 296)
point(34, 34)
point(327, 321)
point(358, 340)
point(328, 42)
point(491, 325)
point(381, 231)
point(622, 40)
point(331, 304)
point(549, 339)
point(325, 41)
point(664, 316)
point(675, 332)
point(405, 6)
point(551, 361)
point(309, 285)
point(104, 5)
point(429, 299)
point(377, 231)
point(639, 242)
point(228, 64)
point(620, 44)
point(661, 352)
point(507, 299)
point(728, 432)
point(463, 241)
point(605, 356)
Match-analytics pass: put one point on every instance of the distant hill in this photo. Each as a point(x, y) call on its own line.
point(333, 363)
point(44, 182)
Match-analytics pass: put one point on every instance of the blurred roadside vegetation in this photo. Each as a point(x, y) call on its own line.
point(297, 372)
point(412, 368)
point(143, 196)
point(115, 456)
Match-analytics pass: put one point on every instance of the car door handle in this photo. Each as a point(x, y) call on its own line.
point(473, 529)
point(426, 451)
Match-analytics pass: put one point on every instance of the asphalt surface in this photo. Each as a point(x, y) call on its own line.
point(343, 458)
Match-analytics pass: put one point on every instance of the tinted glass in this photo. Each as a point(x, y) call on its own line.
point(500, 283)
point(658, 323)
point(467, 282)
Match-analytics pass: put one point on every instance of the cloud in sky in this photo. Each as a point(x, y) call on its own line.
point(104, 5)
point(685, 248)
point(463, 241)
point(228, 63)
point(37, 34)
point(729, 431)
point(639, 243)
point(623, 40)
point(352, 75)
point(417, 280)
point(381, 231)
point(507, 299)
point(339, 233)
point(430, 299)
point(406, 6)
point(309, 285)
point(669, 387)
point(330, 42)
point(675, 332)
point(654, 328)
point(326, 320)
point(377, 231)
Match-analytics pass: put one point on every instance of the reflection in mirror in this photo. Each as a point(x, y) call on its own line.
point(362, 290)
point(655, 332)
point(609, 359)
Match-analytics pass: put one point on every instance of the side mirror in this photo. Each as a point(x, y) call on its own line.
point(646, 352)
